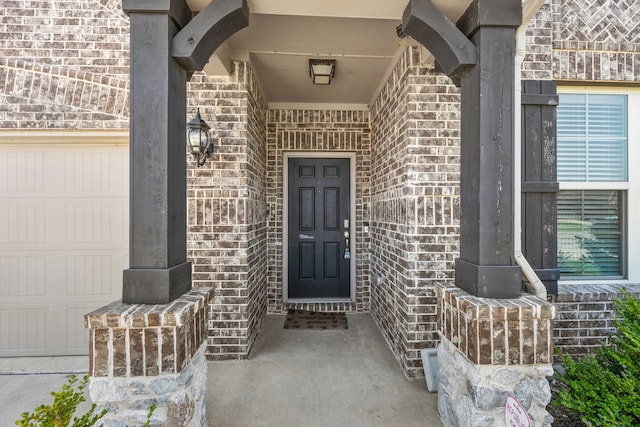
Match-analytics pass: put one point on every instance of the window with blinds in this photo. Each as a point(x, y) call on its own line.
point(590, 233)
point(592, 138)
point(592, 148)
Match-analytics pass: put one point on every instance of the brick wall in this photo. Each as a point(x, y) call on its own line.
point(596, 41)
point(538, 46)
point(227, 209)
point(576, 40)
point(585, 317)
point(64, 64)
point(388, 209)
point(415, 204)
point(256, 209)
point(315, 131)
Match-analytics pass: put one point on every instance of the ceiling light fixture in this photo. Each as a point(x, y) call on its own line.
point(322, 70)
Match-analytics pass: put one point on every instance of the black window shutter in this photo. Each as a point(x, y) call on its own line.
point(539, 180)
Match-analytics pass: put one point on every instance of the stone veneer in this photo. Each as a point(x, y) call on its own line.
point(414, 203)
point(491, 348)
point(141, 355)
point(475, 395)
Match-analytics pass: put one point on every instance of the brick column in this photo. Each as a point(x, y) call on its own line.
point(490, 349)
point(145, 354)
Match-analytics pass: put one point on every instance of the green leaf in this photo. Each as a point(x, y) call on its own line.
point(604, 389)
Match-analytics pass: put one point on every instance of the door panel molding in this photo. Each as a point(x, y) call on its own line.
point(351, 156)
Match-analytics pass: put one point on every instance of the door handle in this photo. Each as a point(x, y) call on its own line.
point(347, 252)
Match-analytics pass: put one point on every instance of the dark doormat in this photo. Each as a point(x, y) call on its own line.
point(315, 320)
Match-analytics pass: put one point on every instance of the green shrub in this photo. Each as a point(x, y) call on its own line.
point(604, 389)
point(61, 412)
point(64, 406)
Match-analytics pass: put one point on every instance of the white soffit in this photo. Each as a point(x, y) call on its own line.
point(283, 34)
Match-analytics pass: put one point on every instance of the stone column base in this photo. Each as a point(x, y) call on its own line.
point(472, 395)
point(179, 398)
point(144, 354)
point(490, 349)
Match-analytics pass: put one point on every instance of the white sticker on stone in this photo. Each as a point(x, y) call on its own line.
point(514, 414)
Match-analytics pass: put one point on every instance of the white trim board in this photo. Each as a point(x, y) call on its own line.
point(632, 186)
point(22, 137)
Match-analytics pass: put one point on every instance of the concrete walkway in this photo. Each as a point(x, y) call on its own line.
point(293, 378)
point(26, 383)
point(318, 378)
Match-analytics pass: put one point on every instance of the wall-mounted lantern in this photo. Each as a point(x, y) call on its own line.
point(198, 139)
point(322, 70)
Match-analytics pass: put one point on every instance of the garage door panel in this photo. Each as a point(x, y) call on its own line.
point(22, 171)
point(88, 222)
point(63, 243)
point(22, 276)
point(71, 171)
point(23, 331)
point(93, 274)
point(22, 222)
point(76, 335)
point(80, 224)
point(89, 275)
point(88, 170)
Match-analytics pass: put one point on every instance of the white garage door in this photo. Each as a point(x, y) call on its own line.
point(63, 239)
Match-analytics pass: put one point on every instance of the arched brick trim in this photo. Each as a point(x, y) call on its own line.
point(81, 35)
point(104, 98)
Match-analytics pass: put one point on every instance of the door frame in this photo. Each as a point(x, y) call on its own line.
point(351, 156)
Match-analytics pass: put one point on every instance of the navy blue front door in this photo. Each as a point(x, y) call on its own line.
point(319, 258)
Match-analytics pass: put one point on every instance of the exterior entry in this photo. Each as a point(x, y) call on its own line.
point(319, 243)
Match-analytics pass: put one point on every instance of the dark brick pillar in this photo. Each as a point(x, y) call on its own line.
point(485, 267)
point(158, 269)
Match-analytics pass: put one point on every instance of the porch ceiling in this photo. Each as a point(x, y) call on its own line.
point(283, 34)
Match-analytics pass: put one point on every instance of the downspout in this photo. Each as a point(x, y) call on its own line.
point(533, 283)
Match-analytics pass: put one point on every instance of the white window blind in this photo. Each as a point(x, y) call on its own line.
point(590, 233)
point(592, 138)
point(592, 148)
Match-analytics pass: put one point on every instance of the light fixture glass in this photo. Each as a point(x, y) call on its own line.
point(322, 70)
point(198, 139)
